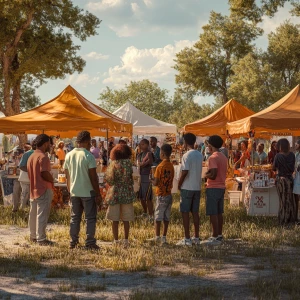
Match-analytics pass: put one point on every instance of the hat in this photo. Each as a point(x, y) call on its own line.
point(215, 141)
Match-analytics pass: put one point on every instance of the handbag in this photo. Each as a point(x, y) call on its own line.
point(296, 188)
point(24, 177)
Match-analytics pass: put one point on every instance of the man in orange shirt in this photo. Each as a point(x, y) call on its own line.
point(60, 153)
point(163, 180)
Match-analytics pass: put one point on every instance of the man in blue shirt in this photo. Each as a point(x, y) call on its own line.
point(155, 150)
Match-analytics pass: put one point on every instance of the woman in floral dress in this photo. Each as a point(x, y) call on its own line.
point(120, 195)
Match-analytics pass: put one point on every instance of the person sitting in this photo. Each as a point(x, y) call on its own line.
point(263, 157)
point(120, 195)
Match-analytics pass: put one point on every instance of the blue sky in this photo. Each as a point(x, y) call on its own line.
point(138, 39)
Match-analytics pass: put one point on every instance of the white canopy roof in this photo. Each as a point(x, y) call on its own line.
point(142, 123)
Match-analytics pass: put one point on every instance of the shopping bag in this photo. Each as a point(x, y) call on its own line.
point(24, 177)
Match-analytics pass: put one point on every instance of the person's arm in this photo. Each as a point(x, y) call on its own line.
point(46, 175)
point(68, 180)
point(95, 184)
point(23, 165)
point(45, 166)
point(211, 174)
point(147, 161)
point(182, 178)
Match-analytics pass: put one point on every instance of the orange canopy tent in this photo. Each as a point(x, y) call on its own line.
point(281, 118)
point(66, 114)
point(216, 122)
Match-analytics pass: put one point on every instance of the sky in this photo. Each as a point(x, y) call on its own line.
point(138, 39)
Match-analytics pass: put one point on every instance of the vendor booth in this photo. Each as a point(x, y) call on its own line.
point(216, 122)
point(66, 115)
point(281, 118)
point(142, 123)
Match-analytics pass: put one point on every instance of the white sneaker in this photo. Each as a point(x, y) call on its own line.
point(212, 241)
point(185, 242)
point(195, 241)
point(156, 239)
point(164, 240)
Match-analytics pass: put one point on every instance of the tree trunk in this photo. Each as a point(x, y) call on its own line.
point(16, 97)
point(224, 97)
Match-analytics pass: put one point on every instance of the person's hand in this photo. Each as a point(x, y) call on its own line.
point(179, 187)
point(98, 200)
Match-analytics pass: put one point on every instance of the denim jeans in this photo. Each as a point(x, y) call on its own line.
point(89, 207)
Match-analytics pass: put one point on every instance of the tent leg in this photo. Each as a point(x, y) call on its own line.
point(107, 145)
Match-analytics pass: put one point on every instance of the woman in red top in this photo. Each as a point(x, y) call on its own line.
point(245, 154)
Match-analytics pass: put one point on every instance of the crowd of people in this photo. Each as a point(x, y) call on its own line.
point(156, 170)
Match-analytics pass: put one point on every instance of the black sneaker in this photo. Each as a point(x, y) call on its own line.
point(33, 240)
point(73, 246)
point(220, 238)
point(93, 247)
point(45, 243)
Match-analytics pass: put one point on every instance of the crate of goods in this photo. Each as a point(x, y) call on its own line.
point(234, 197)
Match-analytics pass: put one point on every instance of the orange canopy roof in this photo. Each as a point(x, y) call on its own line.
point(216, 122)
point(66, 114)
point(282, 117)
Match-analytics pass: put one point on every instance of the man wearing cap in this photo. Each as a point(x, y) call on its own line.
point(41, 190)
point(83, 186)
point(215, 189)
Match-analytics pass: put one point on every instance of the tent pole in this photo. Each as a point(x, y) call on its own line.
point(107, 146)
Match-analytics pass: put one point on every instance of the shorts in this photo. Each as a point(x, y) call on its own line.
point(120, 212)
point(189, 201)
point(163, 208)
point(145, 193)
point(214, 201)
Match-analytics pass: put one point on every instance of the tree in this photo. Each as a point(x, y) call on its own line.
point(36, 43)
point(254, 10)
point(207, 66)
point(145, 95)
point(262, 78)
point(185, 110)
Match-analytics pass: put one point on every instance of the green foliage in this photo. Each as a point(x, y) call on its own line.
point(207, 66)
point(36, 44)
point(262, 78)
point(145, 95)
point(185, 110)
point(254, 10)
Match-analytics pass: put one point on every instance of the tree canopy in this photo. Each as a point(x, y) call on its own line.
point(207, 66)
point(145, 95)
point(36, 44)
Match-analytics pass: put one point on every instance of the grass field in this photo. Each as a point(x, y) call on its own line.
point(263, 246)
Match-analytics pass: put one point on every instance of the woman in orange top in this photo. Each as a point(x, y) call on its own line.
point(60, 153)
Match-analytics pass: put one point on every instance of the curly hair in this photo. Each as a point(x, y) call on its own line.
point(190, 138)
point(83, 136)
point(120, 151)
point(41, 139)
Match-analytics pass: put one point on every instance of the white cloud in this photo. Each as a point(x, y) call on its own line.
point(95, 56)
point(154, 64)
point(82, 79)
point(130, 17)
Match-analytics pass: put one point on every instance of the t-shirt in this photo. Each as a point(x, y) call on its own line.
point(217, 161)
point(95, 151)
point(60, 154)
point(285, 164)
point(78, 162)
point(38, 162)
point(156, 154)
point(192, 162)
point(263, 157)
point(165, 173)
point(24, 158)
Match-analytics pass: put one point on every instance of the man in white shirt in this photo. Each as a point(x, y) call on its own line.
point(190, 189)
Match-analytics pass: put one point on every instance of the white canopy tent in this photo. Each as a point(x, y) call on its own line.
point(142, 123)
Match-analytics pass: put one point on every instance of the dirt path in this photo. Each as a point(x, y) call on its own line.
point(230, 281)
